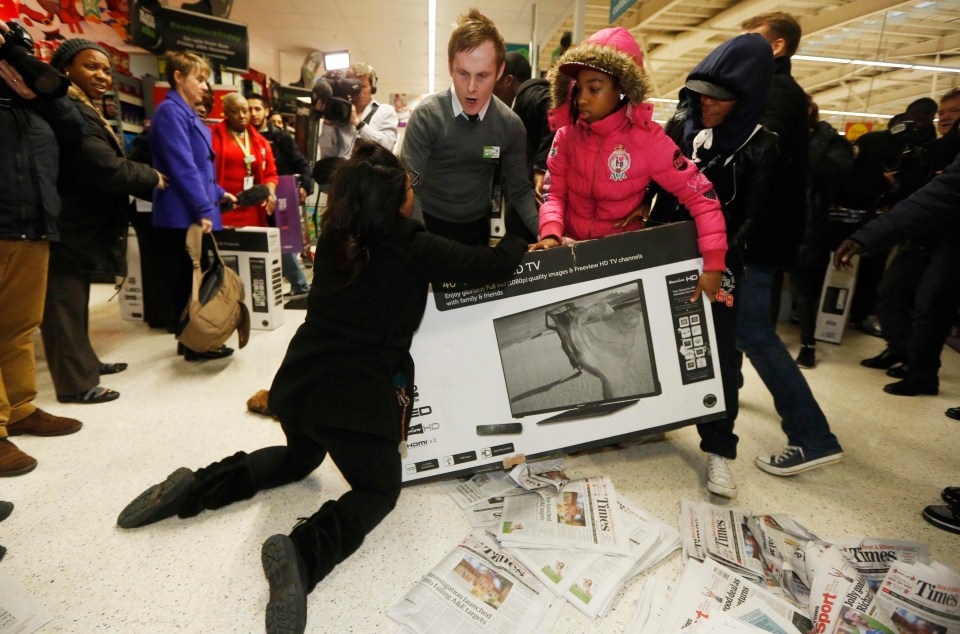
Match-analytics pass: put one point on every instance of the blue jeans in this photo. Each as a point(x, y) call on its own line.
point(801, 418)
point(294, 274)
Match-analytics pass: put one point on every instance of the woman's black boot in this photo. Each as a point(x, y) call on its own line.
point(294, 564)
point(186, 493)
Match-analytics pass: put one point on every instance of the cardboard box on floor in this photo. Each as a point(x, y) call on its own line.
point(254, 253)
point(584, 346)
point(835, 301)
point(131, 291)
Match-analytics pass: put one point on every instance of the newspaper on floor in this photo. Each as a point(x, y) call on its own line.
point(481, 487)
point(783, 544)
point(707, 588)
point(872, 556)
point(486, 514)
point(918, 598)
point(651, 609)
point(591, 581)
point(477, 588)
point(19, 612)
point(834, 582)
point(722, 533)
point(545, 477)
point(585, 516)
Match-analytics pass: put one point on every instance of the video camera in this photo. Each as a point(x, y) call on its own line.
point(911, 163)
point(334, 91)
point(40, 77)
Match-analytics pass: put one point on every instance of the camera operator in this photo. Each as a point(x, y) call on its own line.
point(29, 208)
point(348, 112)
point(875, 187)
point(920, 291)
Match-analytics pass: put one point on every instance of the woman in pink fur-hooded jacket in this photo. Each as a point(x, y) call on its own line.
point(598, 171)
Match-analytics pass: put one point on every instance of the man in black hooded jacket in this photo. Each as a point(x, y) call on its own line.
point(719, 130)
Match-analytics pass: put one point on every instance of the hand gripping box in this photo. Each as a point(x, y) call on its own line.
point(254, 253)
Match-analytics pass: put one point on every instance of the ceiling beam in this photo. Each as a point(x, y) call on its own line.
point(848, 12)
point(930, 47)
point(646, 13)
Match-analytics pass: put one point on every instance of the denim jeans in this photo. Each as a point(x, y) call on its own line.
point(294, 274)
point(801, 418)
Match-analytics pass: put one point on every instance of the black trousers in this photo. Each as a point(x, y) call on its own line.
point(918, 300)
point(869, 276)
point(171, 256)
point(154, 280)
point(718, 437)
point(370, 465)
point(73, 364)
point(474, 233)
point(806, 284)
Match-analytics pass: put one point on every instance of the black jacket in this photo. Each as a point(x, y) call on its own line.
point(532, 104)
point(95, 183)
point(29, 163)
point(932, 208)
point(354, 347)
point(744, 186)
point(290, 160)
point(786, 115)
point(830, 162)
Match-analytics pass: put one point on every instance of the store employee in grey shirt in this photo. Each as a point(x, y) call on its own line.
point(457, 138)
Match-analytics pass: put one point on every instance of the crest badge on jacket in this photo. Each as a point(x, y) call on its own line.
point(619, 163)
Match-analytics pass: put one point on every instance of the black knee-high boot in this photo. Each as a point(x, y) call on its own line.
point(219, 484)
point(186, 493)
point(294, 564)
point(324, 540)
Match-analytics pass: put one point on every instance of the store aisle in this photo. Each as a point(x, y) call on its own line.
point(204, 574)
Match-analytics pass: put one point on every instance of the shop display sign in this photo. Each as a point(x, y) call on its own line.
point(581, 347)
point(160, 29)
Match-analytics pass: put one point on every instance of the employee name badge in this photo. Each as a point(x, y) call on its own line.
point(247, 182)
point(491, 151)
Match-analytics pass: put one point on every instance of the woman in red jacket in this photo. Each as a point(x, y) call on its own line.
point(243, 159)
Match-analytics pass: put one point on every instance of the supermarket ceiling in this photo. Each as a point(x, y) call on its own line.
point(674, 34)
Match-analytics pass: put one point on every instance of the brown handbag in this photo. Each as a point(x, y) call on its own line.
point(216, 305)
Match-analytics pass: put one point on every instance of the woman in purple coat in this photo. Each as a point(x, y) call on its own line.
point(183, 151)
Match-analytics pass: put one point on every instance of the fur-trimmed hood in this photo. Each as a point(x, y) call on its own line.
point(75, 93)
point(613, 51)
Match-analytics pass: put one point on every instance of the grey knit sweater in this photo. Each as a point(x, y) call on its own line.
point(457, 161)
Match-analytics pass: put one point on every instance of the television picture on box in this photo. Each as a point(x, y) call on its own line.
point(586, 356)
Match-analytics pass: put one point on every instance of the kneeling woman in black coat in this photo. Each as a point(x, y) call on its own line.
point(345, 385)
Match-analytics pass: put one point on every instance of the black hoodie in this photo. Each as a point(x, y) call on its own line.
point(742, 157)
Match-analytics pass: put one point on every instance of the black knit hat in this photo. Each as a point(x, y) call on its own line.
point(69, 49)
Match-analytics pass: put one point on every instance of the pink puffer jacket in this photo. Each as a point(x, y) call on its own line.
point(598, 173)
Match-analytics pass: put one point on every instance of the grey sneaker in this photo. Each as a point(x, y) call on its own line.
point(719, 477)
point(793, 460)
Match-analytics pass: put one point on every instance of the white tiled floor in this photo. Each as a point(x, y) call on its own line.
point(204, 575)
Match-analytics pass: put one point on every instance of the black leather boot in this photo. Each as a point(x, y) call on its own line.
point(185, 493)
point(295, 564)
point(222, 483)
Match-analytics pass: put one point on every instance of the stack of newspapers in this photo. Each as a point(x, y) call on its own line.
point(540, 540)
point(767, 573)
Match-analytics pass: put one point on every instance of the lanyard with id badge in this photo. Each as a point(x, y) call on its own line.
point(248, 158)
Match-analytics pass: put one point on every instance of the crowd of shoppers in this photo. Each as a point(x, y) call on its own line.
point(744, 157)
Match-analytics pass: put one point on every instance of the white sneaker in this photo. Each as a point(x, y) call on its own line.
point(719, 477)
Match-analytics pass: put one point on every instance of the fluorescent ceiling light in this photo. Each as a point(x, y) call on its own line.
point(431, 46)
point(866, 62)
point(937, 69)
point(816, 58)
point(845, 113)
point(661, 100)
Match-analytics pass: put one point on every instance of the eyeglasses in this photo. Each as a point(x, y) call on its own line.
point(414, 178)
